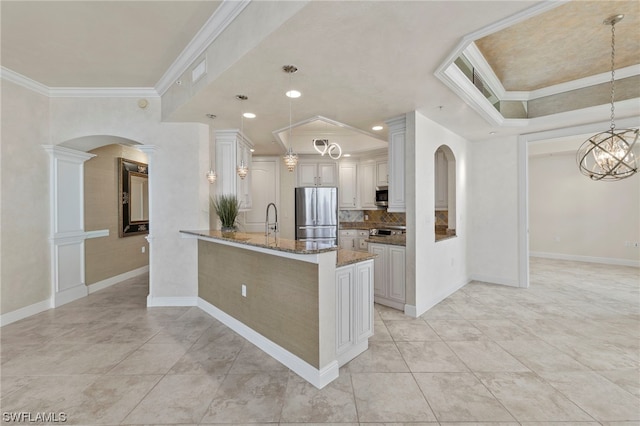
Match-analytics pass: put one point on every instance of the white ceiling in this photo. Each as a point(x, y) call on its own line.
point(360, 62)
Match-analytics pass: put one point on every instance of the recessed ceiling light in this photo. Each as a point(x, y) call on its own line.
point(346, 155)
point(252, 150)
point(249, 115)
point(492, 133)
point(377, 128)
point(293, 94)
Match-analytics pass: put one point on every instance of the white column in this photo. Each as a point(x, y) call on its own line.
point(150, 150)
point(67, 224)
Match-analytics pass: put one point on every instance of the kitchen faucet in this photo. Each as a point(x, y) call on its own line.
point(268, 227)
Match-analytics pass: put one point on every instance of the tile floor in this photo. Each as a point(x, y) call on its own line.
point(565, 351)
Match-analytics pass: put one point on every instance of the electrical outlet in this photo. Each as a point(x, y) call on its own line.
point(143, 249)
point(366, 217)
point(244, 290)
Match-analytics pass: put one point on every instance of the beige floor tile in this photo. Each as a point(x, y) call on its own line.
point(456, 330)
point(176, 399)
point(540, 356)
point(594, 354)
point(381, 357)
point(529, 398)
point(150, 359)
point(109, 399)
point(596, 395)
point(390, 397)
point(628, 379)
point(503, 329)
point(481, 424)
point(389, 314)
point(460, 397)
point(380, 332)
point(430, 357)
point(411, 331)
point(252, 359)
point(248, 398)
point(441, 311)
point(486, 356)
point(334, 403)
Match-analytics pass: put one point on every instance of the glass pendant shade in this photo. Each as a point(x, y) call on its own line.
point(290, 159)
point(242, 170)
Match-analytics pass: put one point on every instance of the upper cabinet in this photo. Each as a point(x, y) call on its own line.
point(397, 134)
point(231, 148)
point(382, 173)
point(348, 192)
point(368, 185)
point(313, 173)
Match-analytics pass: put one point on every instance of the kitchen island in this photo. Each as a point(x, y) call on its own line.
point(309, 305)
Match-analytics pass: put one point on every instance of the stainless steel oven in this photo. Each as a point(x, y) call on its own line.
point(382, 196)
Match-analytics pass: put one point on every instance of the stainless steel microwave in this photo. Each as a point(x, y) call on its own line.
point(382, 196)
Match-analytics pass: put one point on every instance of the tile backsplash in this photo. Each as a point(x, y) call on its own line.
point(378, 216)
point(442, 217)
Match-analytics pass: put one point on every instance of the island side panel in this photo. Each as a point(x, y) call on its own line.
point(282, 300)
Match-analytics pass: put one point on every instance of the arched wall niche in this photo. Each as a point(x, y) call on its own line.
point(445, 192)
point(91, 142)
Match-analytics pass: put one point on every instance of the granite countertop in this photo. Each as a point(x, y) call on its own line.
point(259, 240)
point(347, 257)
point(368, 225)
point(394, 240)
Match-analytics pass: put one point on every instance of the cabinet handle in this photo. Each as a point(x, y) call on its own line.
point(354, 201)
point(319, 180)
point(353, 243)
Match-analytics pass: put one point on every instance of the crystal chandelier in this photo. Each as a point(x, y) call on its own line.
point(290, 158)
point(211, 174)
point(609, 155)
point(242, 169)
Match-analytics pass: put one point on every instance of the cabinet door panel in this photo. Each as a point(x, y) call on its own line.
point(382, 173)
point(396, 273)
point(368, 186)
point(344, 326)
point(307, 174)
point(327, 174)
point(379, 269)
point(348, 186)
point(364, 301)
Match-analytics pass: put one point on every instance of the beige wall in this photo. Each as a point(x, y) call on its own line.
point(106, 257)
point(24, 245)
point(572, 216)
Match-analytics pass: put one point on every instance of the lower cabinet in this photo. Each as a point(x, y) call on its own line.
point(354, 309)
point(389, 274)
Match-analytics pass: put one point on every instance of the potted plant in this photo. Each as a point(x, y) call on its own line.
point(227, 208)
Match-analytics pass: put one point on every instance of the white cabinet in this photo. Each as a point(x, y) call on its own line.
point(348, 188)
point(354, 309)
point(317, 173)
point(397, 134)
point(382, 173)
point(348, 239)
point(232, 147)
point(441, 180)
point(389, 274)
point(368, 185)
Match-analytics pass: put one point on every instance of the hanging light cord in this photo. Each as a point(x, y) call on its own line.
point(613, 73)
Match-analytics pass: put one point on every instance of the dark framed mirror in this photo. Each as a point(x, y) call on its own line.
point(133, 196)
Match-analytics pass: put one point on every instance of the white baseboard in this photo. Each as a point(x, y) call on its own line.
point(25, 312)
point(100, 285)
point(492, 279)
point(317, 377)
point(411, 311)
point(589, 259)
point(353, 352)
point(69, 295)
point(154, 302)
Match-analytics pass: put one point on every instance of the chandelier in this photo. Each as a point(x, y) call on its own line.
point(242, 169)
point(609, 155)
point(290, 158)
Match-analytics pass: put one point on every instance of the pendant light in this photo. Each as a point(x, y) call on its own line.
point(242, 169)
point(609, 155)
point(290, 158)
point(211, 174)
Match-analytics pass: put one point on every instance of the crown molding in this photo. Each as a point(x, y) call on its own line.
point(21, 80)
point(215, 25)
point(103, 92)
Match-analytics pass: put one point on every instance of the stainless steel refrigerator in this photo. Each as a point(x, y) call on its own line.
point(317, 214)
